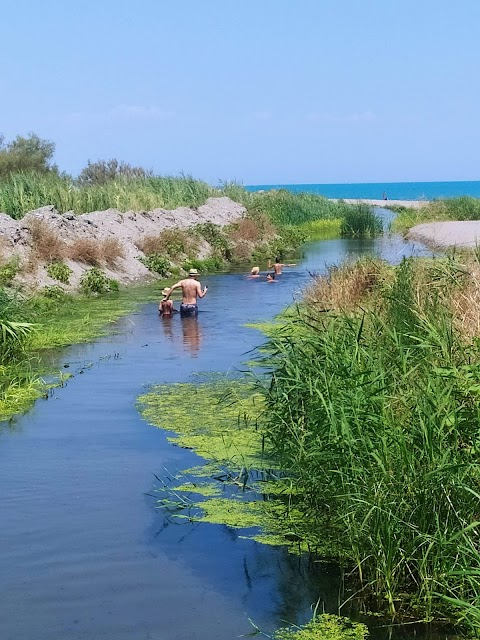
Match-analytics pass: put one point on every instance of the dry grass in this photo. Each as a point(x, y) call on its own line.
point(242, 251)
point(86, 250)
point(47, 246)
point(96, 252)
point(346, 287)
point(251, 229)
point(112, 251)
point(453, 281)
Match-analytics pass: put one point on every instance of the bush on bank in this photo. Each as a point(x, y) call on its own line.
point(373, 412)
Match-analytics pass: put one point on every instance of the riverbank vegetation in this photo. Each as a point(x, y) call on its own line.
point(25, 191)
point(362, 443)
point(463, 208)
point(31, 326)
point(29, 180)
point(373, 413)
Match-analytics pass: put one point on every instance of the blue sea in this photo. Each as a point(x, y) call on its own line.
point(377, 190)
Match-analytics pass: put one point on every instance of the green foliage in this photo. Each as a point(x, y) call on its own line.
point(23, 191)
point(208, 265)
point(9, 270)
point(59, 271)
point(95, 281)
point(324, 627)
point(360, 221)
point(215, 236)
point(26, 154)
point(374, 415)
point(103, 171)
point(157, 263)
point(54, 292)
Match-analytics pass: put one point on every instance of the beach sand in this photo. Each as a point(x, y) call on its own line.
point(447, 234)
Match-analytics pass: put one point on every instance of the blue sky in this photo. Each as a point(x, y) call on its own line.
point(263, 91)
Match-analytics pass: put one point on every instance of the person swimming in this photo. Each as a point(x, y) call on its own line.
point(271, 277)
point(254, 273)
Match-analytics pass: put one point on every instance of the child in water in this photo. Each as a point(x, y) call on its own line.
point(165, 308)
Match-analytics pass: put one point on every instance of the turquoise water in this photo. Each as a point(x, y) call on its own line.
point(376, 190)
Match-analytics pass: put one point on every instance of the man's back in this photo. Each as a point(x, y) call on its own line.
point(190, 290)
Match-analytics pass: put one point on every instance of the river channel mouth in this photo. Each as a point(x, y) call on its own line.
point(85, 553)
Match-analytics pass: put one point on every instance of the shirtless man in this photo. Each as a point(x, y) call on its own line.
point(277, 266)
point(191, 289)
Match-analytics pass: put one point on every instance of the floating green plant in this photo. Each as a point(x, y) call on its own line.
point(324, 627)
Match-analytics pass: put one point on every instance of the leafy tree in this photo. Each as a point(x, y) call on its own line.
point(30, 153)
point(104, 171)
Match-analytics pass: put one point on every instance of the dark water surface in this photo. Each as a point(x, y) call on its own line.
point(83, 552)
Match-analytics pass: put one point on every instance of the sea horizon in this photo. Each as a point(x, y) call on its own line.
point(382, 190)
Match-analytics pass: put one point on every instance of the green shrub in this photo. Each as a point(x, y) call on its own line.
point(95, 281)
point(360, 220)
point(54, 292)
point(9, 270)
point(157, 263)
point(59, 271)
point(214, 263)
point(216, 238)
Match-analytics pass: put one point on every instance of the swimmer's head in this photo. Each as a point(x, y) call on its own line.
point(255, 271)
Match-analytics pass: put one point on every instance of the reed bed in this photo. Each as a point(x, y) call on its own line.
point(23, 192)
point(373, 411)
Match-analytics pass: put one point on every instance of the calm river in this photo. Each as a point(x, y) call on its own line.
point(84, 554)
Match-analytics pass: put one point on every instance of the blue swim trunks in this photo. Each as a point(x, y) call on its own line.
point(188, 310)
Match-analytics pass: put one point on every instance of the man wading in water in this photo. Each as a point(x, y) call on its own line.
point(277, 266)
point(191, 289)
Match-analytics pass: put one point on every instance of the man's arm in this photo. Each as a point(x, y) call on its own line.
point(175, 286)
point(201, 292)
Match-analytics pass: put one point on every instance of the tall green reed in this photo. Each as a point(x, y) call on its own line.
point(375, 415)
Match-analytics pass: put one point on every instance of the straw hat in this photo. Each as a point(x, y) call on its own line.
point(193, 272)
point(166, 291)
point(255, 271)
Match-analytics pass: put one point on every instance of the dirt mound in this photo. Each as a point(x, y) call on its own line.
point(44, 235)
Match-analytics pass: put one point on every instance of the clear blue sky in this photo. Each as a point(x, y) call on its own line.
point(264, 91)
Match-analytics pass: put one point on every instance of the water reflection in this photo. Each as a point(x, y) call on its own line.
point(166, 322)
point(192, 335)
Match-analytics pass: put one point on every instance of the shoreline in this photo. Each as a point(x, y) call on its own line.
point(458, 233)
point(411, 204)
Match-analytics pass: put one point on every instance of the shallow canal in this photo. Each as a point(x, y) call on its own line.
point(84, 554)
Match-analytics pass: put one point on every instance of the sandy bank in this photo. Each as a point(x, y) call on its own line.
point(412, 204)
point(447, 234)
point(127, 228)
